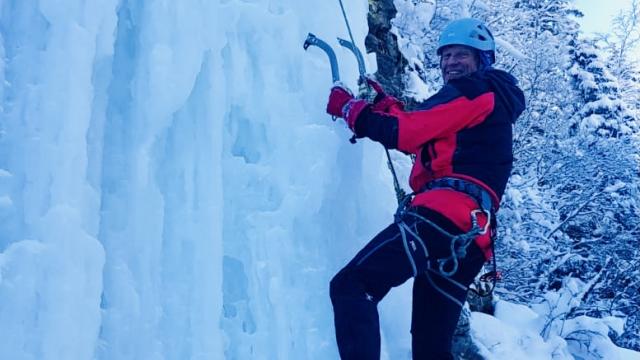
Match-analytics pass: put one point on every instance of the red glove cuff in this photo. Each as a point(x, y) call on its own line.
point(337, 100)
point(352, 110)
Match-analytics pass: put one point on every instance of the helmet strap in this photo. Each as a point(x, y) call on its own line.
point(486, 59)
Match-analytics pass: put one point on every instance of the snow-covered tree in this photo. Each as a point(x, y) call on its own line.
point(570, 210)
point(603, 109)
point(618, 46)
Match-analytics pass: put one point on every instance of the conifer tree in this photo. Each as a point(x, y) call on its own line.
point(570, 209)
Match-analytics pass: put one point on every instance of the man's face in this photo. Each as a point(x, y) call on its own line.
point(457, 61)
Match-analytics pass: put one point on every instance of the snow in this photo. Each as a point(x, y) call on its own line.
point(412, 16)
point(511, 49)
point(416, 88)
point(514, 332)
point(615, 187)
point(171, 188)
point(511, 335)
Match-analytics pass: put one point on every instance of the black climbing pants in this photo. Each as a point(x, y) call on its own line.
point(388, 261)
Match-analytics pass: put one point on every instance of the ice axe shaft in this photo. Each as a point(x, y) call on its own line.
point(400, 193)
point(364, 84)
point(315, 41)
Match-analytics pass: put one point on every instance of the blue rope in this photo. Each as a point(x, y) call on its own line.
point(346, 20)
point(459, 243)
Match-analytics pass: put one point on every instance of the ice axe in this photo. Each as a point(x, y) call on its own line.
point(335, 74)
point(354, 49)
point(313, 40)
point(400, 194)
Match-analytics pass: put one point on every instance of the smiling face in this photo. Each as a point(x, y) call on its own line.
point(457, 61)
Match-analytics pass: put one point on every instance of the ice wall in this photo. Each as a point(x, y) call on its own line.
point(294, 188)
point(51, 262)
point(170, 186)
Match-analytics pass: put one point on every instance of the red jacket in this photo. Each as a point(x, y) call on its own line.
point(463, 131)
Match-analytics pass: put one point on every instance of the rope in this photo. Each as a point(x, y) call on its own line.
point(441, 291)
point(458, 248)
point(455, 253)
point(400, 194)
point(346, 21)
point(459, 243)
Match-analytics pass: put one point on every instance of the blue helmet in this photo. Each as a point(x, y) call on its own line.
point(470, 32)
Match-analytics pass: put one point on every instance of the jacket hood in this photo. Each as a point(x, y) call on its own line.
point(506, 88)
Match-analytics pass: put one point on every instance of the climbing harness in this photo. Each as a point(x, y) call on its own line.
point(448, 266)
point(483, 198)
point(363, 84)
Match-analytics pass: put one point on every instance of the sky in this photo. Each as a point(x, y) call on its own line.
point(598, 15)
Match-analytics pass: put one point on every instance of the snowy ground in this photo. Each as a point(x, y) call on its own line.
point(521, 332)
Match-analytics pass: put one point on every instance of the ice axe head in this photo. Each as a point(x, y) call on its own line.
point(315, 41)
point(311, 40)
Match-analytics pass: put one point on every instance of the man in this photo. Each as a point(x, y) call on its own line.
point(462, 141)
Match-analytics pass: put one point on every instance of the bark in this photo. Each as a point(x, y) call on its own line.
point(384, 44)
point(463, 346)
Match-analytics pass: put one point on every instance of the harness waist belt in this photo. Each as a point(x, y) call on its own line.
point(477, 192)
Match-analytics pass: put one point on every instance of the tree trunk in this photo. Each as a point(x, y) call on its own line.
point(384, 44)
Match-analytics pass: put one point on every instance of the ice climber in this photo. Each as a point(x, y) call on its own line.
point(462, 141)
